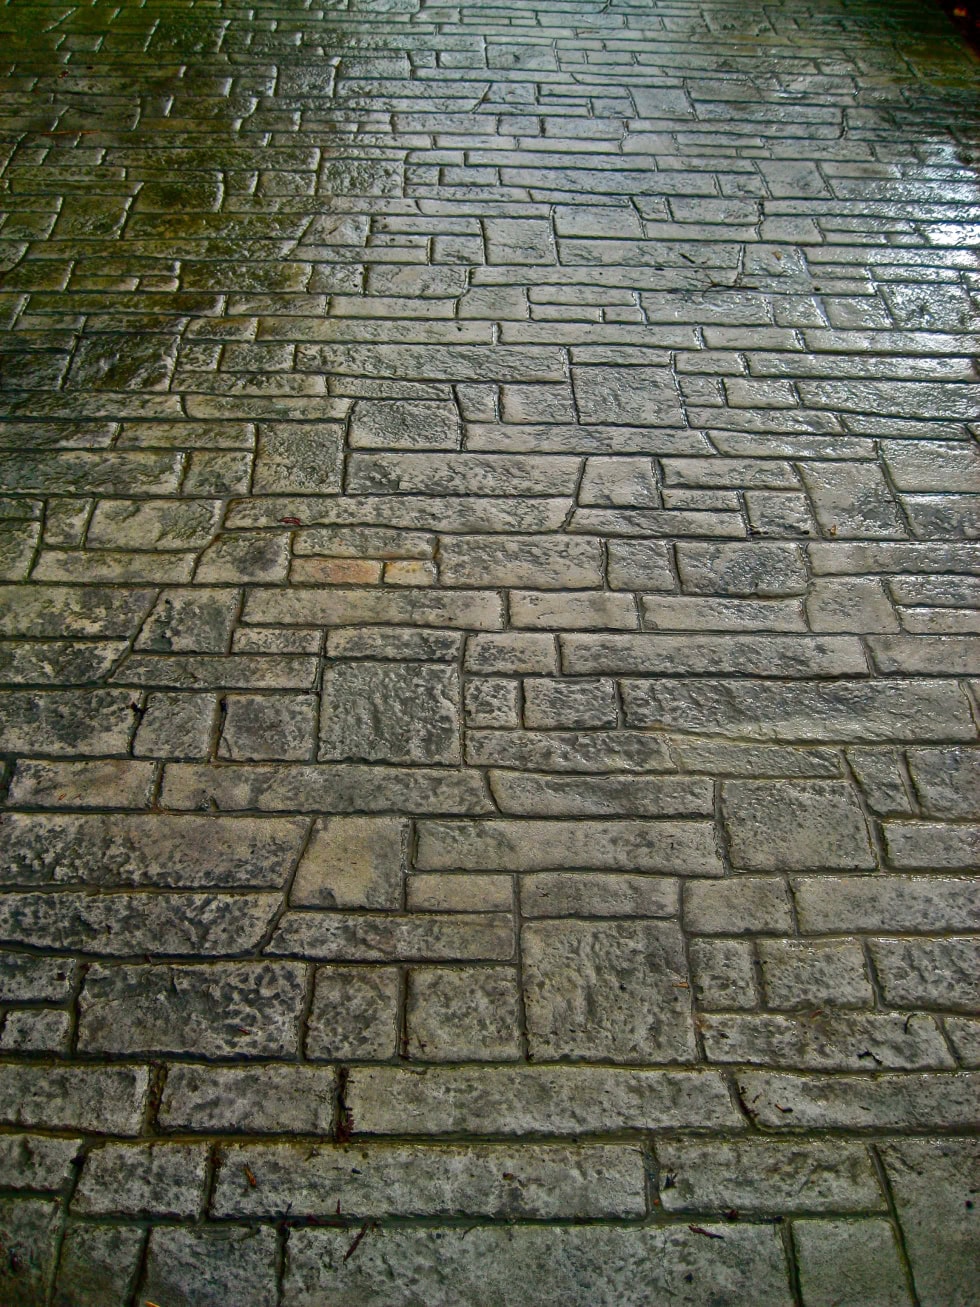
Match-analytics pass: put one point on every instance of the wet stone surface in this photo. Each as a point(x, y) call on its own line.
point(488, 654)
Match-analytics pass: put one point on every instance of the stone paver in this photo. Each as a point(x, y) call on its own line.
point(488, 590)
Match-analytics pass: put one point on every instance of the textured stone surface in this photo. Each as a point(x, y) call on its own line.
point(36, 1162)
point(391, 712)
point(201, 1266)
point(615, 990)
point(162, 1180)
point(799, 826)
point(759, 1175)
point(934, 1183)
point(352, 862)
point(354, 1014)
point(847, 1263)
point(536, 1100)
point(462, 1015)
point(225, 1009)
point(488, 587)
point(604, 1265)
point(103, 1100)
point(29, 1229)
point(184, 851)
point(98, 1265)
point(540, 1180)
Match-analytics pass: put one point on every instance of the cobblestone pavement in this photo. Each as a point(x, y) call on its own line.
point(489, 755)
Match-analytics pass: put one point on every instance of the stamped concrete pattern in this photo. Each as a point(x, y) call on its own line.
point(488, 517)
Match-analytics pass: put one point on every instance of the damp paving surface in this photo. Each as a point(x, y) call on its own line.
point(488, 503)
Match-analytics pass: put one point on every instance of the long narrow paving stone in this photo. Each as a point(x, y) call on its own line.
point(489, 573)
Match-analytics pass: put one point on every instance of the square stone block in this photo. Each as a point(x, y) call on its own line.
point(355, 1014)
point(463, 1014)
point(391, 712)
point(611, 990)
point(352, 862)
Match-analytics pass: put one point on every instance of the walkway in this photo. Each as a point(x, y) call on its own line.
point(488, 616)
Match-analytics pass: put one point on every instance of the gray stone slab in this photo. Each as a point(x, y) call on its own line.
point(376, 1180)
point(934, 1183)
point(595, 1264)
point(606, 991)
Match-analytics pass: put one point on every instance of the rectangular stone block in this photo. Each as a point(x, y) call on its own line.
point(461, 474)
point(154, 524)
point(519, 241)
point(947, 780)
point(639, 396)
point(104, 783)
point(349, 937)
point(837, 1258)
point(832, 1042)
point(67, 721)
point(557, 563)
point(355, 1014)
point(30, 1228)
point(462, 1014)
point(798, 1101)
point(811, 974)
point(941, 974)
point(96, 1099)
point(142, 1179)
point(404, 424)
point(809, 711)
point(478, 610)
point(827, 905)
point(761, 1175)
point(573, 610)
point(226, 1009)
point(795, 826)
point(25, 978)
point(512, 653)
point(598, 894)
point(738, 905)
point(62, 662)
point(598, 1264)
point(713, 655)
point(98, 1264)
point(468, 892)
point(36, 1161)
point(299, 458)
point(723, 974)
point(123, 924)
point(184, 852)
point(336, 787)
point(674, 847)
point(750, 568)
point(483, 1180)
point(528, 794)
point(691, 613)
point(526, 1101)
point(265, 726)
point(932, 846)
point(204, 1265)
point(556, 704)
point(248, 1100)
point(176, 725)
point(404, 643)
point(640, 565)
point(934, 1184)
point(213, 671)
point(352, 862)
point(587, 751)
point(71, 611)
